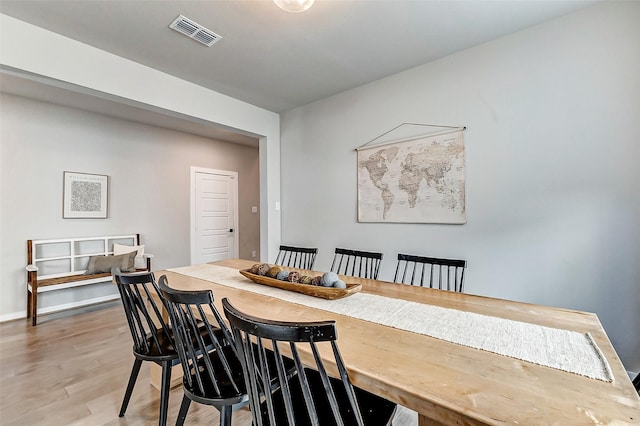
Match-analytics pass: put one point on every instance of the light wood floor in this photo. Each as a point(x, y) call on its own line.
point(72, 369)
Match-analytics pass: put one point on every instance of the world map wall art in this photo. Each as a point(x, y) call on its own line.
point(416, 180)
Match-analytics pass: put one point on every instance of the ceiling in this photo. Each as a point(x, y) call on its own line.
point(279, 60)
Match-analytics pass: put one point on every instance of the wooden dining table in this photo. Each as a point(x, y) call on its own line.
point(449, 383)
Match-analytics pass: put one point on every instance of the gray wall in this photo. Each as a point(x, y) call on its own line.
point(552, 152)
point(149, 172)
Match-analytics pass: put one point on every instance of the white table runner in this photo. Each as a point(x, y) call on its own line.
point(564, 350)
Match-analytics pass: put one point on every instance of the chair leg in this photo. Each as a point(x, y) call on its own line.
point(184, 407)
point(225, 415)
point(132, 381)
point(165, 387)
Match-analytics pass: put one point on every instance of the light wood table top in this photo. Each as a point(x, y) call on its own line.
point(448, 383)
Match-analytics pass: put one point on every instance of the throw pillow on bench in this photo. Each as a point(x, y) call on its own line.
point(102, 264)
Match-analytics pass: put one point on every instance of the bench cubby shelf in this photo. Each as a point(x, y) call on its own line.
point(56, 264)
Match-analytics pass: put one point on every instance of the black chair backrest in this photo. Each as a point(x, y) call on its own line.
point(148, 328)
point(444, 274)
point(210, 366)
point(255, 337)
point(296, 257)
point(356, 263)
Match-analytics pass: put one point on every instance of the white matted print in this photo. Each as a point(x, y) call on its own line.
point(85, 196)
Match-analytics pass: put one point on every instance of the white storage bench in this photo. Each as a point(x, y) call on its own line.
point(61, 263)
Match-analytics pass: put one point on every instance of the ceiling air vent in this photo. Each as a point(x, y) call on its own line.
point(195, 31)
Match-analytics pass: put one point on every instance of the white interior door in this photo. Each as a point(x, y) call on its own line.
point(214, 233)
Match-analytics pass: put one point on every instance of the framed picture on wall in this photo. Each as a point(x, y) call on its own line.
point(85, 196)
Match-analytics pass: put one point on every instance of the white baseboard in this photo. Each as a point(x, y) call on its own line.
point(78, 304)
point(12, 316)
point(62, 307)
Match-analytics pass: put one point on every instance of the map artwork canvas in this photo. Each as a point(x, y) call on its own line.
point(419, 180)
point(85, 195)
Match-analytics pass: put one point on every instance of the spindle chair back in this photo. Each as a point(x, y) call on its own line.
point(212, 373)
point(311, 396)
point(296, 257)
point(152, 338)
point(356, 263)
point(443, 274)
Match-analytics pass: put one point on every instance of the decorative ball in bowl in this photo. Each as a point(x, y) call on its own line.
point(327, 286)
point(328, 279)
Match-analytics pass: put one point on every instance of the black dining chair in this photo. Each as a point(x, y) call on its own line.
point(444, 274)
point(212, 373)
point(355, 263)
point(152, 338)
point(296, 257)
point(309, 397)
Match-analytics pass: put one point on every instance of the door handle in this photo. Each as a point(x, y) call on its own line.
point(231, 230)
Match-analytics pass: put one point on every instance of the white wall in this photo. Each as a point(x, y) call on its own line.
point(552, 172)
point(149, 179)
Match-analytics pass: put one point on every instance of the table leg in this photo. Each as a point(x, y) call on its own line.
point(156, 375)
point(425, 421)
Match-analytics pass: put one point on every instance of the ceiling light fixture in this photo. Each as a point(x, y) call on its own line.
point(294, 5)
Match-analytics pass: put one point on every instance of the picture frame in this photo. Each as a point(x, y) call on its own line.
point(85, 196)
point(418, 179)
